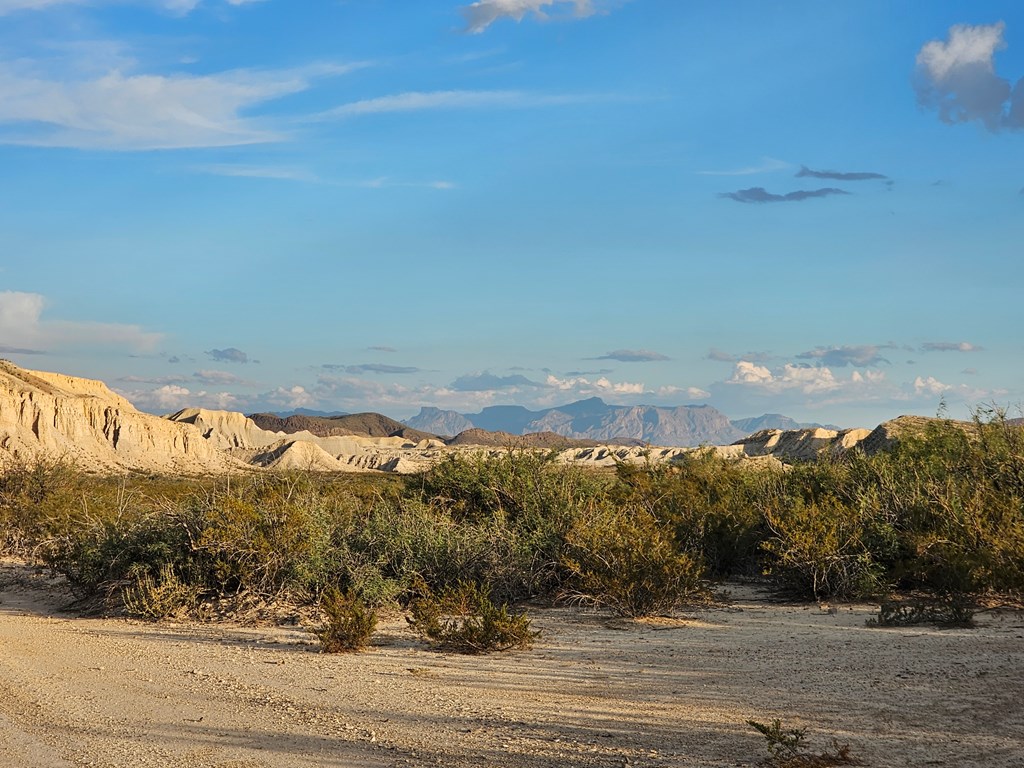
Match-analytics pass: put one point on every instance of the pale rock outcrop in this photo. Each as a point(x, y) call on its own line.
point(800, 444)
point(300, 455)
point(53, 416)
point(226, 430)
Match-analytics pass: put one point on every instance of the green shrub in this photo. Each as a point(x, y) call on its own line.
point(466, 620)
point(111, 548)
point(349, 623)
point(268, 535)
point(33, 496)
point(822, 549)
point(707, 500)
point(626, 560)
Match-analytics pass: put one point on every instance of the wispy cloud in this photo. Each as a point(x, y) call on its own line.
point(162, 381)
point(806, 172)
point(177, 7)
point(218, 378)
point(133, 112)
point(285, 173)
point(761, 195)
point(388, 183)
point(957, 78)
point(860, 356)
point(480, 15)
point(722, 356)
point(632, 356)
point(950, 346)
point(476, 382)
point(371, 368)
point(767, 165)
point(282, 173)
point(418, 101)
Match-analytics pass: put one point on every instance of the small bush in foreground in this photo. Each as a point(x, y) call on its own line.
point(786, 748)
point(159, 598)
point(465, 620)
point(349, 622)
point(953, 610)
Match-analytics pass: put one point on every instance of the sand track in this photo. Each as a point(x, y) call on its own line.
point(593, 692)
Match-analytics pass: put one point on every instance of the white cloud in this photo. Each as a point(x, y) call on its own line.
point(482, 14)
point(868, 377)
point(930, 386)
point(583, 387)
point(806, 379)
point(750, 373)
point(22, 324)
point(122, 111)
point(967, 46)
point(957, 77)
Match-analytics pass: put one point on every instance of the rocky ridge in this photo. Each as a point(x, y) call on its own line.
point(53, 416)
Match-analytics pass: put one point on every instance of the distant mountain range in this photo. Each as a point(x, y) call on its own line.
point(594, 419)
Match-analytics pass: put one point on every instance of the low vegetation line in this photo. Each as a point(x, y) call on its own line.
point(940, 515)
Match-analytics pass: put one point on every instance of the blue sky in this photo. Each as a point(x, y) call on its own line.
point(799, 207)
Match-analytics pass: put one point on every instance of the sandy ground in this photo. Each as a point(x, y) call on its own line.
point(593, 692)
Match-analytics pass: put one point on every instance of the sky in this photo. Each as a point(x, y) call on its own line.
point(807, 208)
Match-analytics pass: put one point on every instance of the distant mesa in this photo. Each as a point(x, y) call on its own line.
point(593, 419)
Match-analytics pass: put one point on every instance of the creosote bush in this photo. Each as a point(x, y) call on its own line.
point(628, 561)
point(465, 620)
point(348, 622)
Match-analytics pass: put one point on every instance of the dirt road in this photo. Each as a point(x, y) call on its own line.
point(593, 692)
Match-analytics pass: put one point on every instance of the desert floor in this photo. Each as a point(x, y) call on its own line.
point(594, 691)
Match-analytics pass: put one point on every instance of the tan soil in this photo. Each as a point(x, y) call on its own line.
point(593, 692)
